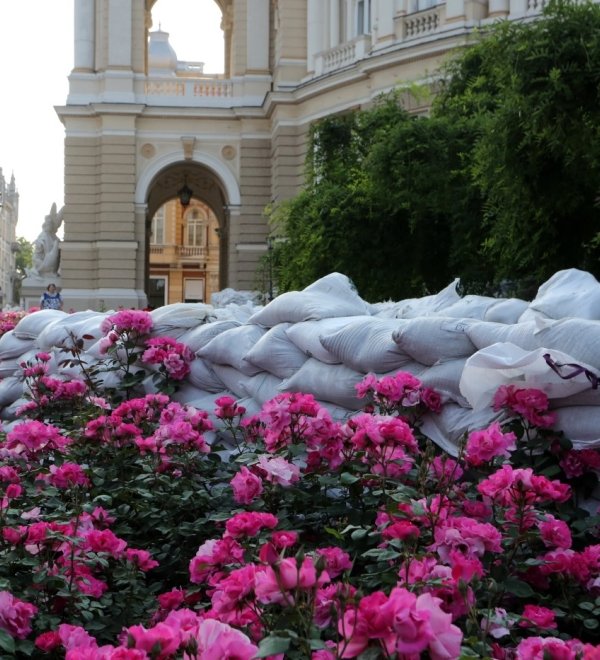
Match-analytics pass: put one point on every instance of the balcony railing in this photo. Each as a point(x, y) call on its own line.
point(422, 23)
point(340, 56)
point(179, 251)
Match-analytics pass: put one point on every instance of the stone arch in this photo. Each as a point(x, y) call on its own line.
point(164, 183)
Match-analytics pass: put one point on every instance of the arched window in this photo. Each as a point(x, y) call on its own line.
point(195, 230)
point(157, 236)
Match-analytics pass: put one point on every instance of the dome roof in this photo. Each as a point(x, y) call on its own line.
point(161, 56)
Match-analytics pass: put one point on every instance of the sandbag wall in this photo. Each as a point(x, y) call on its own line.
point(325, 339)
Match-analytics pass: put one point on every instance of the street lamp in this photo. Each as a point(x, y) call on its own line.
point(270, 256)
point(185, 194)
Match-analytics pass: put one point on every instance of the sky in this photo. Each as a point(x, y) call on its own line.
point(36, 57)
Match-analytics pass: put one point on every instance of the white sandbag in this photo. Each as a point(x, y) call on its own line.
point(11, 389)
point(580, 424)
point(506, 364)
point(588, 397)
point(444, 377)
point(185, 393)
point(447, 429)
point(203, 376)
point(307, 336)
point(333, 295)
point(60, 333)
point(30, 326)
point(198, 337)
point(434, 338)
point(233, 380)
point(334, 383)
point(367, 345)
point(236, 312)
point(231, 346)
point(12, 366)
point(229, 296)
point(469, 307)
point(176, 319)
point(506, 310)
point(11, 413)
point(276, 353)
point(412, 308)
point(486, 333)
point(569, 293)
point(11, 347)
point(414, 368)
point(262, 387)
point(579, 338)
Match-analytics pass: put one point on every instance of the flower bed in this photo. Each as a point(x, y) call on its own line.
point(133, 528)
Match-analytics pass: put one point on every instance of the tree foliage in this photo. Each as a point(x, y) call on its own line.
point(501, 181)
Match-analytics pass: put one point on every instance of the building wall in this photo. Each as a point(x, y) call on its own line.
point(132, 139)
point(9, 215)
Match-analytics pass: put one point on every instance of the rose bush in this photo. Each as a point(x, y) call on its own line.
point(132, 528)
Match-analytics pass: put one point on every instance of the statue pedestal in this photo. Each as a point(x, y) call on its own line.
point(32, 288)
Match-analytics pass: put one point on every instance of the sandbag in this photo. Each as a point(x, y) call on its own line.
point(30, 326)
point(60, 333)
point(579, 338)
point(486, 333)
point(307, 336)
point(230, 348)
point(415, 307)
point(470, 307)
point(197, 338)
point(447, 429)
point(569, 293)
point(233, 380)
point(444, 377)
point(367, 345)
point(580, 424)
point(334, 383)
point(203, 377)
point(12, 348)
point(431, 339)
point(506, 310)
point(332, 295)
point(276, 353)
point(176, 319)
point(11, 389)
point(262, 387)
point(506, 364)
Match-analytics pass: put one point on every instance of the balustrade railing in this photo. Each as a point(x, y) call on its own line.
point(422, 23)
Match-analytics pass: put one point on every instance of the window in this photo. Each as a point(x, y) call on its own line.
point(157, 291)
point(363, 17)
point(195, 235)
point(193, 290)
point(157, 236)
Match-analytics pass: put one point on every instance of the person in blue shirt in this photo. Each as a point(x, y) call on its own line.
point(51, 298)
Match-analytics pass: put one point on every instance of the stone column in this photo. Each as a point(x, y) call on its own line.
point(257, 36)
point(84, 35)
point(334, 23)
point(314, 35)
point(119, 34)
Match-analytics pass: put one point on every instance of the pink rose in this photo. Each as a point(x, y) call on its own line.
point(246, 485)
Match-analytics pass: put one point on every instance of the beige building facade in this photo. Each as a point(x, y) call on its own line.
point(140, 126)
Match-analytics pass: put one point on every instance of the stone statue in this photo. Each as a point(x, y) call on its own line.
point(46, 247)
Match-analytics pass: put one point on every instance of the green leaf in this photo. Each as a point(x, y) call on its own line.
point(518, 587)
point(591, 624)
point(272, 646)
point(348, 479)
point(7, 643)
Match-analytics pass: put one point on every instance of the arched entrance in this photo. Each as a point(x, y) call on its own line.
point(187, 223)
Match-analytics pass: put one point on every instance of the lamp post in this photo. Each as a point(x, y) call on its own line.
point(270, 256)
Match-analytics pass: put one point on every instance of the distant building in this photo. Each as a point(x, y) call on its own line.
point(143, 128)
point(184, 254)
point(9, 215)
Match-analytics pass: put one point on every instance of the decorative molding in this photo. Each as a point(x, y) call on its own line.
point(188, 143)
